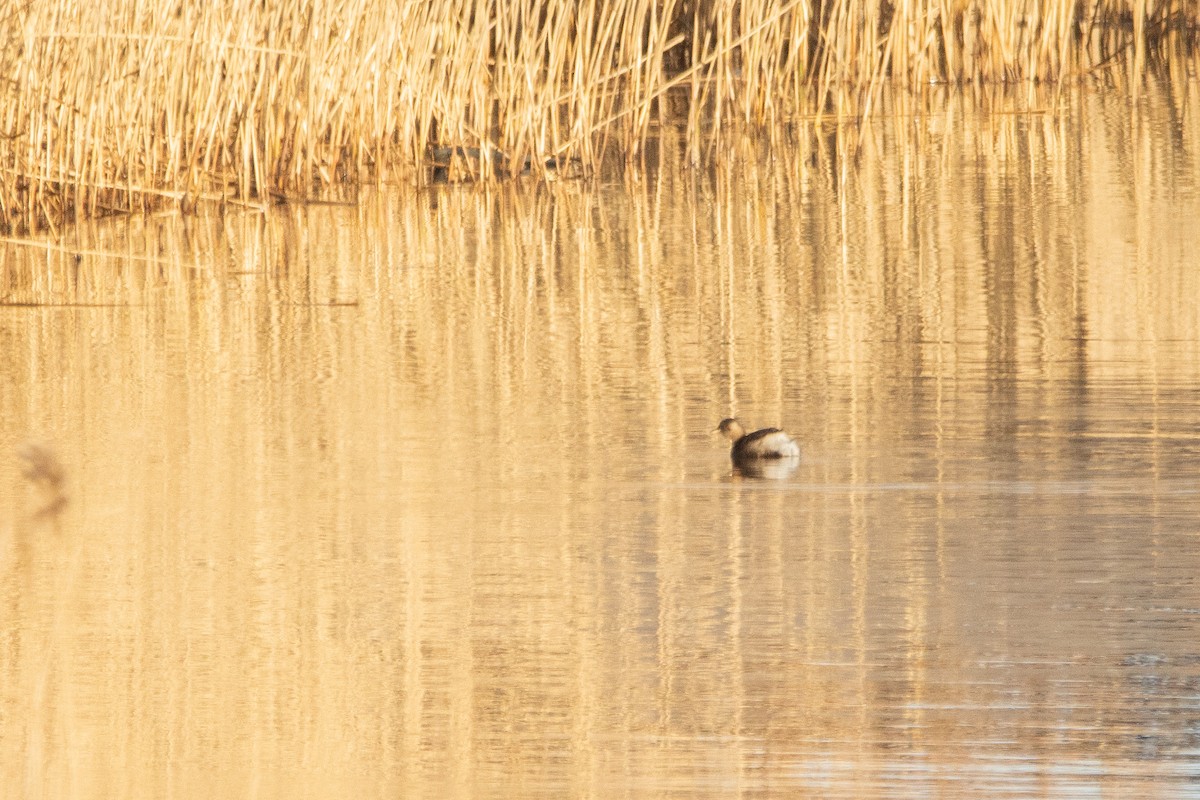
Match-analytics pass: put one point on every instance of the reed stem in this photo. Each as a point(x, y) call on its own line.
point(129, 105)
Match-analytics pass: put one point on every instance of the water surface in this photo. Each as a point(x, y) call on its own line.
point(420, 498)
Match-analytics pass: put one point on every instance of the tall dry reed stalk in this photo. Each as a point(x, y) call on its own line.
point(127, 105)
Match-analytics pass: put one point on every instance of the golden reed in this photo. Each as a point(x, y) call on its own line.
point(129, 105)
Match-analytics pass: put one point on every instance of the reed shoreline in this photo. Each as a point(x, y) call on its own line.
point(135, 105)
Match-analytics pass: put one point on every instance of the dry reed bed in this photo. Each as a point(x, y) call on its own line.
point(129, 105)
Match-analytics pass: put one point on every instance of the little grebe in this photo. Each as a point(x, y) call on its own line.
point(765, 443)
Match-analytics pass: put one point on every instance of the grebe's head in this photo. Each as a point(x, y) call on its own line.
point(731, 429)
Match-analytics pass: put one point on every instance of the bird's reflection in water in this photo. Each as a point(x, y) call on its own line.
point(774, 469)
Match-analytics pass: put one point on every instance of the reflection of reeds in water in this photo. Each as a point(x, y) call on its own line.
point(278, 562)
point(723, 284)
point(726, 241)
point(128, 106)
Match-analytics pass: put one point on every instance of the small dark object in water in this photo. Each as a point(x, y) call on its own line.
point(441, 159)
point(41, 467)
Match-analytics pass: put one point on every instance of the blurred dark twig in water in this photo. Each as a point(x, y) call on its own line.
point(41, 466)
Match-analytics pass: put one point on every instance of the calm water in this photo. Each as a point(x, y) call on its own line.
point(420, 498)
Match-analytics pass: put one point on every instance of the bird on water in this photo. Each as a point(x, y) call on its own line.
point(767, 443)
